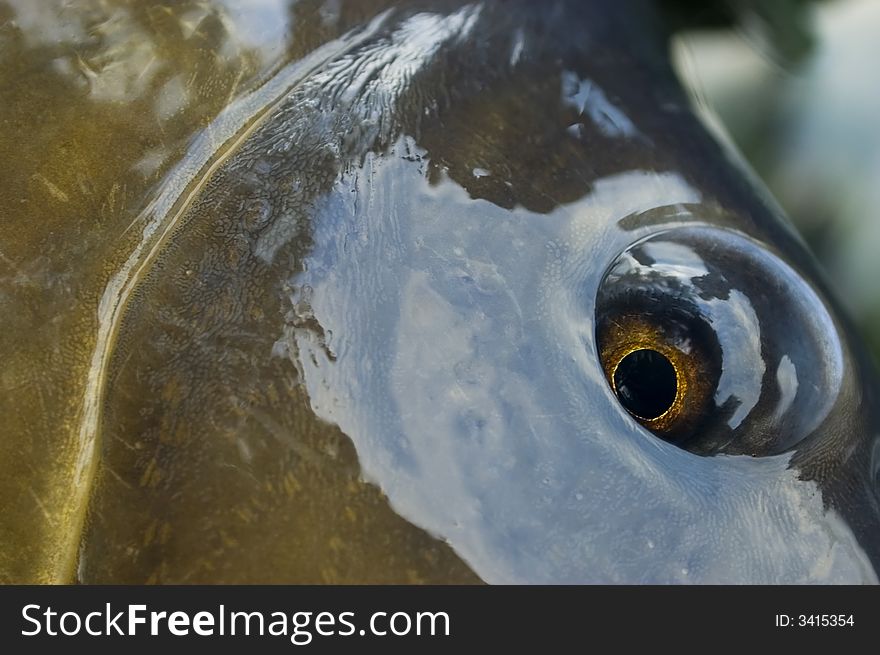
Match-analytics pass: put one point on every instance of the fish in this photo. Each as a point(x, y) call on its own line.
point(457, 292)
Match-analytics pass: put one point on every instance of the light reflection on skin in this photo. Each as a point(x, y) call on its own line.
point(110, 96)
point(588, 99)
point(517, 447)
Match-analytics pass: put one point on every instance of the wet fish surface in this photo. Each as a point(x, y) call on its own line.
point(353, 300)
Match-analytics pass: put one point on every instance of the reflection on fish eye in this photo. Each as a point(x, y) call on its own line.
point(694, 346)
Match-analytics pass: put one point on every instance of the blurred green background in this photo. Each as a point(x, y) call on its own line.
point(808, 121)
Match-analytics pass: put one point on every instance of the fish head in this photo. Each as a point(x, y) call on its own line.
point(567, 331)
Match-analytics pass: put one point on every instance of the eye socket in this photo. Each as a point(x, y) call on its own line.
point(713, 343)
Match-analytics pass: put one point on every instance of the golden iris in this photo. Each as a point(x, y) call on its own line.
point(660, 371)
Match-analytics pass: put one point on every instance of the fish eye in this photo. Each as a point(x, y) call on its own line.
point(715, 344)
point(661, 361)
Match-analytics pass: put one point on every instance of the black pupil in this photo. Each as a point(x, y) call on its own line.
point(646, 383)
